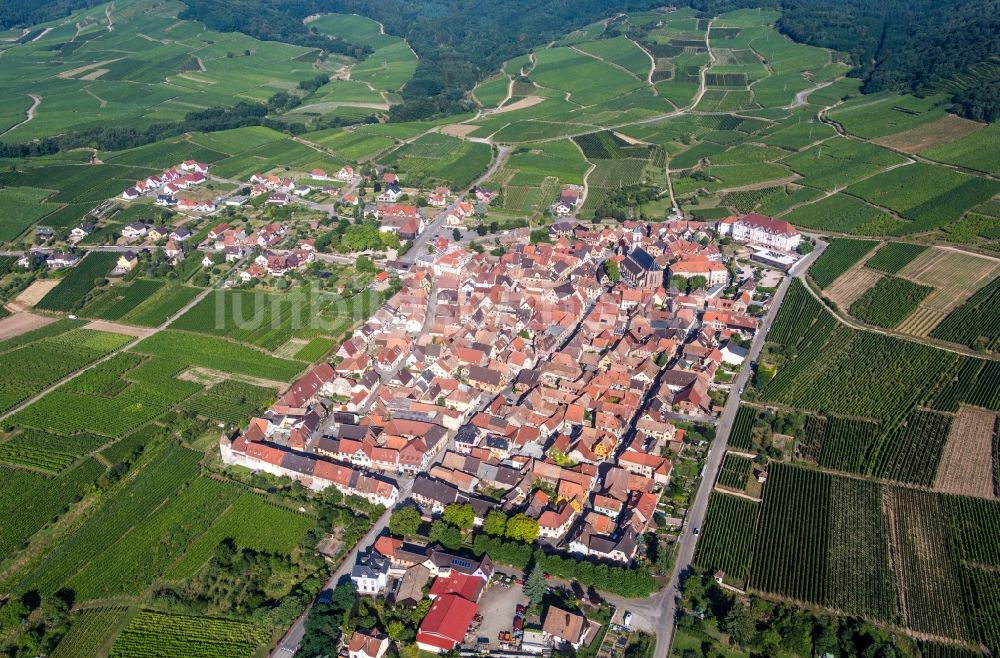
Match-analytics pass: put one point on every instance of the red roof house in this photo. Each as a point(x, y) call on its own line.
point(445, 625)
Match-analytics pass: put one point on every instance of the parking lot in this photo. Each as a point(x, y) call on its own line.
point(497, 606)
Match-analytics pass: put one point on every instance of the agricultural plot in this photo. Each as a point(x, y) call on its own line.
point(77, 284)
point(437, 157)
point(491, 92)
point(741, 435)
point(884, 114)
point(735, 472)
point(230, 401)
point(34, 366)
point(911, 452)
point(976, 323)
point(975, 151)
point(29, 500)
point(928, 135)
point(89, 631)
point(929, 195)
point(954, 275)
point(116, 301)
point(45, 451)
point(851, 285)
point(726, 537)
point(967, 466)
point(838, 162)
point(840, 444)
point(889, 301)
point(118, 78)
point(825, 375)
point(314, 350)
point(621, 51)
point(154, 310)
point(185, 349)
point(389, 67)
point(23, 206)
point(158, 634)
point(838, 258)
point(894, 256)
point(971, 381)
point(157, 481)
point(251, 522)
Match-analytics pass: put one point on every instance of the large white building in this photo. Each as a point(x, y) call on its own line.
point(758, 229)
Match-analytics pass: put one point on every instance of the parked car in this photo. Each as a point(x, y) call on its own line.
point(520, 610)
point(627, 620)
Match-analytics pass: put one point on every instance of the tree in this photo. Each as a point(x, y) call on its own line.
point(535, 586)
point(522, 527)
point(740, 625)
point(404, 521)
point(495, 523)
point(696, 282)
point(612, 270)
point(460, 515)
point(365, 264)
point(447, 535)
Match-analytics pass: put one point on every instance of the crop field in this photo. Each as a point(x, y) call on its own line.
point(116, 301)
point(29, 500)
point(975, 151)
point(314, 350)
point(32, 367)
point(129, 566)
point(929, 195)
point(351, 145)
point(155, 310)
point(160, 479)
point(727, 535)
point(389, 67)
point(851, 285)
point(230, 401)
point(840, 444)
point(735, 472)
point(890, 301)
point(838, 258)
point(23, 206)
point(797, 313)
point(912, 451)
point(955, 276)
point(976, 323)
point(972, 381)
point(824, 374)
point(112, 399)
point(45, 451)
point(838, 162)
point(217, 354)
point(740, 437)
point(894, 256)
point(844, 214)
point(251, 522)
point(117, 77)
point(790, 550)
point(884, 114)
point(89, 631)
point(158, 634)
point(967, 466)
point(77, 284)
point(620, 51)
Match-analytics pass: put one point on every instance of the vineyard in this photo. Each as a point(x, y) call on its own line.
point(157, 634)
point(116, 301)
point(218, 354)
point(726, 538)
point(603, 145)
point(840, 444)
point(88, 632)
point(155, 483)
point(251, 522)
point(912, 451)
point(839, 256)
point(790, 550)
point(45, 451)
point(78, 283)
point(894, 256)
point(230, 401)
point(895, 555)
point(735, 472)
point(798, 311)
point(974, 381)
point(977, 322)
point(130, 565)
point(741, 436)
point(889, 302)
point(28, 501)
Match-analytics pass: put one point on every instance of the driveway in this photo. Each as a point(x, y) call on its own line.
point(497, 607)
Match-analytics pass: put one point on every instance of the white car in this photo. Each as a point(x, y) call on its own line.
point(627, 620)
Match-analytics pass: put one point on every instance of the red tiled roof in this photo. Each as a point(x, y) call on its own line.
point(447, 621)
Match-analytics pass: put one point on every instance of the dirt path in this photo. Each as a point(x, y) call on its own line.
point(118, 328)
point(802, 96)
point(100, 100)
point(29, 113)
point(652, 67)
point(107, 14)
point(44, 32)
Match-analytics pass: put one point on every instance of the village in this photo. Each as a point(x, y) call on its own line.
point(558, 388)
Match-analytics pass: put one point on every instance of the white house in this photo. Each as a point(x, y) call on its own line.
point(370, 574)
point(759, 229)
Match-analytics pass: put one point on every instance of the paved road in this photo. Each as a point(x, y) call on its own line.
point(664, 622)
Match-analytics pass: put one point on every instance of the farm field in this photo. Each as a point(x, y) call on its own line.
point(217, 354)
point(89, 632)
point(729, 527)
point(154, 633)
point(889, 301)
point(976, 323)
point(894, 256)
point(838, 258)
point(78, 282)
point(954, 275)
point(967, 467)
point(851, 285)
